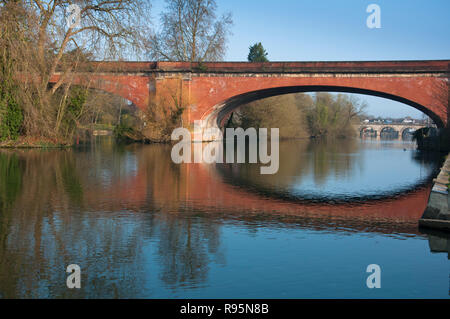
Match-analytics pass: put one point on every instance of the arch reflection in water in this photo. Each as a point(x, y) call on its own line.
point(141, 226)
point(339, 170)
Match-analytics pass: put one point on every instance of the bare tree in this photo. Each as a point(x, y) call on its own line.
point(334, 115)
point(190, 31)
point(46, 43)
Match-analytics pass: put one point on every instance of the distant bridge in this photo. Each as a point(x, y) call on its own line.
point(379, 128)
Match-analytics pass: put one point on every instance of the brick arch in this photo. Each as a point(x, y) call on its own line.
point(103, 89)
point(404, 129)
point(388, 127)
point(134, 88)
point(362, 128)
point(217, 114)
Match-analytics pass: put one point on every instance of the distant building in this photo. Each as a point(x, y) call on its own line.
point(400, 121)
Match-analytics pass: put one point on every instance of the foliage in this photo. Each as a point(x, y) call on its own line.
point(71, 181)
point(432, 139)
point(300, 115)
point(421, 133)
point(161, 119)
point(334, 115)
point(45, 53)
point(257, 53)
point(74, 109)
point(11, 179)
point(283, 112)
point(11, 117)
point(123, 131)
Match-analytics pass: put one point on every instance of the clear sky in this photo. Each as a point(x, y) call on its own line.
point(336, 30)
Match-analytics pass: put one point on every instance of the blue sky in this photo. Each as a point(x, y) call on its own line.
point(335, 30)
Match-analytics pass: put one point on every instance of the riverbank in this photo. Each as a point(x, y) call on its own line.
point(82, 135)
point(437, 213)
point(34, 142)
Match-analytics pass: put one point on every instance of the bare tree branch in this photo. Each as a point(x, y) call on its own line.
point(190, 31)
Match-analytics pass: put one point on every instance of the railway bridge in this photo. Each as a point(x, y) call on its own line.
point(211, 91)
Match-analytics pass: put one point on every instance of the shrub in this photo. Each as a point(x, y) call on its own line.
point(11, 117)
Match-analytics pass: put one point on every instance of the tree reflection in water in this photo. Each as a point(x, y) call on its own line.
point(95, 209)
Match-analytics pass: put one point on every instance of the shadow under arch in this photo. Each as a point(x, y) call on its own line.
point(224, 109)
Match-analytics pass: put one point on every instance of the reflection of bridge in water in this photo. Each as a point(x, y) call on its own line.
point(377, 129)
point(390, 214)
point(155, 183)
point(200, 190)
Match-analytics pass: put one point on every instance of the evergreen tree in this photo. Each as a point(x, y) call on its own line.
point(257, 53)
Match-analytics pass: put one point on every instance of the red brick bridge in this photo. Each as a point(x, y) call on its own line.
point(211, 91)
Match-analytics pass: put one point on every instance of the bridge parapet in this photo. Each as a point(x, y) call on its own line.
point(308, 67)
point(388, 67)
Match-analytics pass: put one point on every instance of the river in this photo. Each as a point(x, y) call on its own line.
point(140, 226)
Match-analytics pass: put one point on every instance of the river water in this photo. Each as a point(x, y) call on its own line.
point(140, 226)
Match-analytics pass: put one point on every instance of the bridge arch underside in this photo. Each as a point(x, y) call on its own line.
point(222, 111)
point(366, 129)
point(111, 93)
point(133, 88)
